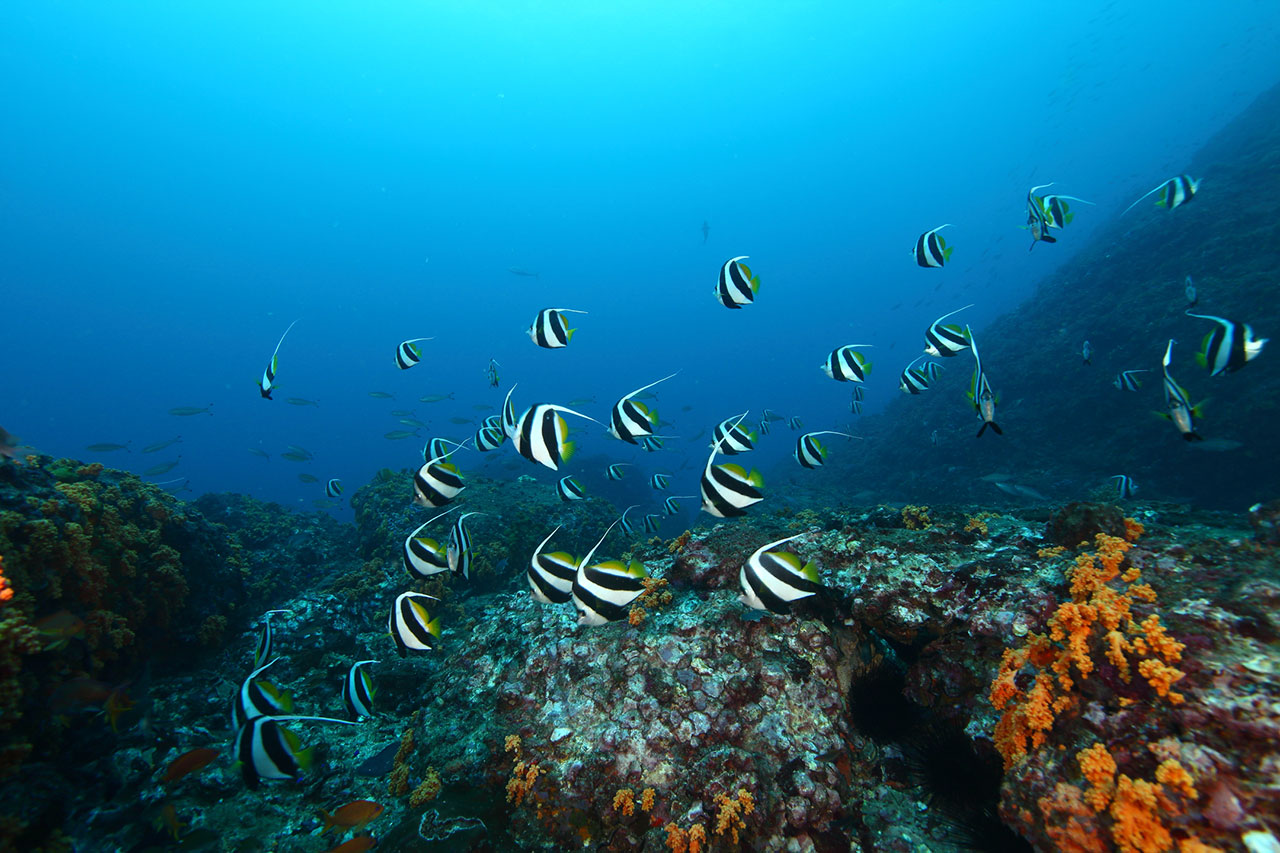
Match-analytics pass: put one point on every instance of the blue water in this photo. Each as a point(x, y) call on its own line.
point(182, 181)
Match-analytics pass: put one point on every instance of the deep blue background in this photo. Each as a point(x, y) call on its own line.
point(181, 181)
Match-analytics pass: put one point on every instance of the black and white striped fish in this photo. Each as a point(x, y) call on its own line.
point(333, 488)
point(660, 481)
point(489, 438)
point(670, 505)
point(1177, 405)
point(650, 443)
point(603, 592)
point(458, 551)
point(733, 441)
point(771, 580)
point(437, 483)
point(809, 451)
point(764, 426)
point(727, 490)
point(984, 399)
point(358, 690)
point(424, 557)
point(267, 383)
point(932, 370)
point(1057, 212)
point(408, 353)
point(615, 472)
point(846, 364)
point(551, 575)
point(551, 329)
point(509, 414)
point(1175, 193)
point(855, 406)
point(259, 699)
point(437, 448)
point(624, 524)
point(266, 639)
point(570, 489)
point(1229, 347)
point(1125, 486)
point(913, 381)
point(652, 523)
point(542, 436)
point(410, 625)
point(945, 341)
point(1127, 380)
point(264, 749)
point(1038, 221)
point(931, 250)
point(630, 418)
point(736, 286)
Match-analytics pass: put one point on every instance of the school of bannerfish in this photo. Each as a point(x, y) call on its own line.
point(771, 579)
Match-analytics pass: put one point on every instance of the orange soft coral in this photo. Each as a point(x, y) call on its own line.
point(730, 811)
point(1161, 677)
point(521, 782)
point(1173, 774)
point(1099, 768)
point(686, 841)
point(624, 800)
point(1069, 823)
point(1095, 626)
point(1137, 826)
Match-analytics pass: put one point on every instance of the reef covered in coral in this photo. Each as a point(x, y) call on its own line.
point(1080, 678)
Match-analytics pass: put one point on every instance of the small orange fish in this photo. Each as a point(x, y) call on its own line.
point(75, 692)
point(58, 628)
point(188, 762)
point(117, 703)
point(355, 845)
point(353, 815)
point(169, 817)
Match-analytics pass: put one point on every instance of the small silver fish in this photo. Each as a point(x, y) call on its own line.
point(162, 468)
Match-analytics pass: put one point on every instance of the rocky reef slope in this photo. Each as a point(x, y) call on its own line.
point(967, 681)
point(1067, 428)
